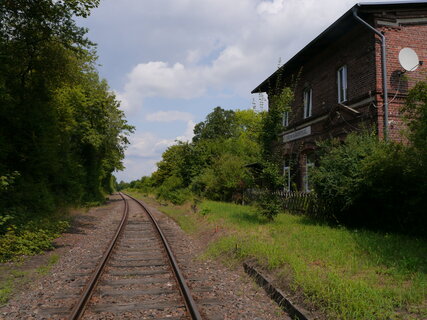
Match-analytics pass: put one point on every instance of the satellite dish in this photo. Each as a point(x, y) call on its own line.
point(408, 59)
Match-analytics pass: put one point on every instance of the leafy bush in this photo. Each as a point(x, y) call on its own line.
point(269, 201)
point(226, 177)
point(30, 239)
point(172, 190)
point(366, 182)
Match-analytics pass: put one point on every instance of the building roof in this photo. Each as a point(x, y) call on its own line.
point(340, 27)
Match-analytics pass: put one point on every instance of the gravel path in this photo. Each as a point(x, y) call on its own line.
point(224, 293)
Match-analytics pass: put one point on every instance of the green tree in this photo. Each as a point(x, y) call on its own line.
point(219, 124)
point(213, 163)
point(62, 130)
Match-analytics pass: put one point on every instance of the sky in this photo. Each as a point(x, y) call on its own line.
point(171, 62)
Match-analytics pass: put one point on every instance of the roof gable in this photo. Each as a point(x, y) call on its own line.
point(340, 27)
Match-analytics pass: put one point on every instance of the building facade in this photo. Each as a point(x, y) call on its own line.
point(338, 81)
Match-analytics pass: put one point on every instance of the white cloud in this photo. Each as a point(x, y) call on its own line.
point(270, 7)
point(147, 145)
point(124, 103)
point(234, 46)
point(158, 79)
point(169, 116)
point(146, 150)
point(189, 132)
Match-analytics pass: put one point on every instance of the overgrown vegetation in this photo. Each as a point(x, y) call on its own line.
point(30, 238)
point(346, 274)
point(62, 134)
point(371, 183)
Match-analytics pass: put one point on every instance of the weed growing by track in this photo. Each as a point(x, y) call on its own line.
point(30, 238)
point(18, 274)
point(44, 270)
point(347, 274)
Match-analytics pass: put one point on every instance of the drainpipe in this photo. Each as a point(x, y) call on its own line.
point(383, 67)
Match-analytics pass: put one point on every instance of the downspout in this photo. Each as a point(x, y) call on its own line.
point(383, 67)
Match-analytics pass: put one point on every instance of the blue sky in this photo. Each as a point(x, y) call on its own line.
point(170, 62)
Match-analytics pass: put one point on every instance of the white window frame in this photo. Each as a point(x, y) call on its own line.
point(342, 84)
point(285, 118)
point(308, 102)
point(287, 175)
point(308, 164)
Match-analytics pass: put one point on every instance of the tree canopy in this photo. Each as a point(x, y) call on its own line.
point(62, 133)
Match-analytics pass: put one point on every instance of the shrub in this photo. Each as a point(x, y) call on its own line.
point(269, 202)
point(223, 179)
point(172, 190)
point(30, 239)
point(370, 183)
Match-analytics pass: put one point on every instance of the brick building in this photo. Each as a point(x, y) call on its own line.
point(338, 80)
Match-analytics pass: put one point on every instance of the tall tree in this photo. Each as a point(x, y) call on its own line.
point(62, 131)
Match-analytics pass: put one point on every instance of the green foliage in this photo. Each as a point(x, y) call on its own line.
point(62, 130)
point(176, 161)
point(32, 238)
point(211, 165)
point(172, 190)
point(269, 201)
point(415, 111)
point(223, 179)
point(7, 180)
point(271, 177)
point(272, 124)
point(44, 270)
point(6, 291)
point(337, 178)
point(370, 183)
point(218, 124)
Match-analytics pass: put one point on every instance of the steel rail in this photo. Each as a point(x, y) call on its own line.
point(185, 291)
point(79, 308)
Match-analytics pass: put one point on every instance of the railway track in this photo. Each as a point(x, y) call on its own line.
point(136, 281)
point(137, 277)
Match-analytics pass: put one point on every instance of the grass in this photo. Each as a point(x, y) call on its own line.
point(17, 274)
point(346, 274)
point(10, 279)
point(6, 289)
point(44, 270)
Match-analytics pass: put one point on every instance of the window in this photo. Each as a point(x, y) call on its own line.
point(309, 165)
point(307, 98)
point(287, 176)
point(286, 118)
point(342, 84)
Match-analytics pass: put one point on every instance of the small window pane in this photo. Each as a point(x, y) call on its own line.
point(307, 103)
point(286, 118)
point(309, 165)
point(342, 84)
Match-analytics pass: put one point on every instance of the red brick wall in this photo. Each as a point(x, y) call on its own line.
point(356, 50)
point(412, 36)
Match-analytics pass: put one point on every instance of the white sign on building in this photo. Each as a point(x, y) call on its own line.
point(297, 134)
